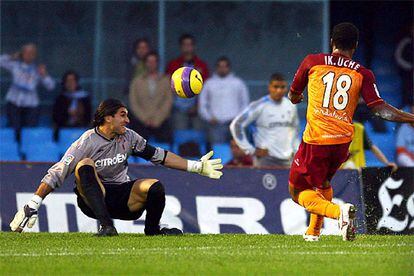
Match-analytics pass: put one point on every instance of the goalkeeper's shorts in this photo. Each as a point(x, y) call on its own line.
point(116, 199)
point(313, 165)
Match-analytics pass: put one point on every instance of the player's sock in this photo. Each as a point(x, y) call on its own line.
point(315, 203)
point(316, 221)
point(94, 195)
point(155, 206)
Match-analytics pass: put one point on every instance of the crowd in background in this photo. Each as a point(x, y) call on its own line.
point(223, 109)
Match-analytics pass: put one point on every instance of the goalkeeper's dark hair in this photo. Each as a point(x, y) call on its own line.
point(277, 77)
point(345, 36)
point(108, 107)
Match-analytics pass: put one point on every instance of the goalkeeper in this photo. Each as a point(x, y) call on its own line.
point(104, 190)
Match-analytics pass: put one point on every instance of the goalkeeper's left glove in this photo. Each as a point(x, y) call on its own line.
point(27, 215)
point(206, 167)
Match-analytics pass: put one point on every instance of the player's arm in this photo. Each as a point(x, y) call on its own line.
point(368, 145)
point(27, 216)
point(390, 113)
point(300, 81)
point(54, 178)
point(381, 157)
point(8, 62)
point(377, 105)
point(239, 124)
point(159, 156)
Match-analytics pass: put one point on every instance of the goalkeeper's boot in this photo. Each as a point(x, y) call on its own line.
point(171, 231)
point(347, 222)
point(165, 232)
point(107, 231)
point(310, 238)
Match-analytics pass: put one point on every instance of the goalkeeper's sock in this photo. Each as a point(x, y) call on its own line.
point(316, 221)
point(155, 206)
point(315, 203)
point(93, 193)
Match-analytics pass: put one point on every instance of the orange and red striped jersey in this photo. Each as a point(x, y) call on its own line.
point(335, 84)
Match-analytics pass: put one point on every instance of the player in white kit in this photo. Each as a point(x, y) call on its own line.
point(276, 121)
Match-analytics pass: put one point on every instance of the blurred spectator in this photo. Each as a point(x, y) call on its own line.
point(404, 58)
point(223, 97)
point(22, 98)
point(360, 143)
point(150, 100)
point(185, 110)
point(141, 48)
point(240, 159)
point(276, 120)
point(72, 107)
point(405, 144)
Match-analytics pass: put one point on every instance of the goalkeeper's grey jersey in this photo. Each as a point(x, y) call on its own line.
point(110, 156)
point(276, 126)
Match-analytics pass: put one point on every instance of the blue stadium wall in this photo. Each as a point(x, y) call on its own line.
point(244, 201)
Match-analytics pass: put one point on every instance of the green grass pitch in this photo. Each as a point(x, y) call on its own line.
point(81, 253)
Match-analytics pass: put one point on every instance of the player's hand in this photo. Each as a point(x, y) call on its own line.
point(295, 98)
point(211, 167)
point(26, 216)
point(393, 167)
point(261, 152)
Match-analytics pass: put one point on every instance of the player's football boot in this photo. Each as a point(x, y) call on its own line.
point(347, 222)
point(107, 231)
point(171, 231)
point(310, 238)
point(164, 231)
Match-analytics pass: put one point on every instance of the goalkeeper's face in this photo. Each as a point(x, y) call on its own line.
point(119, 121)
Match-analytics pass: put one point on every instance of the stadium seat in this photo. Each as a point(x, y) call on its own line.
point(35, 136)
point(3, 121)
point(9, 151)
point(45, 120)
point(47, 151)
point(67, 136)
point(189, 135)
point(7, 135)
point(222, 151)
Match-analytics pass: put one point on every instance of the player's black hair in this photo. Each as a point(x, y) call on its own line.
point(106, 108)
point(66, 75)
point(186, 36)
point(345, 36)
point(277, 77)
point(225, 59)
point(151, 53)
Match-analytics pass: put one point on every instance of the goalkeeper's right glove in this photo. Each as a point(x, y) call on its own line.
point(26, 215)
point(206, 166)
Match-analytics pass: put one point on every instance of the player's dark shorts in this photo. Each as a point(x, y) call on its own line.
point(116, 199)
point(313, 165)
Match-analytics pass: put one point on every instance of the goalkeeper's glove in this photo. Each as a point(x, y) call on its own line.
point(206, 167)
point(27, 215)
